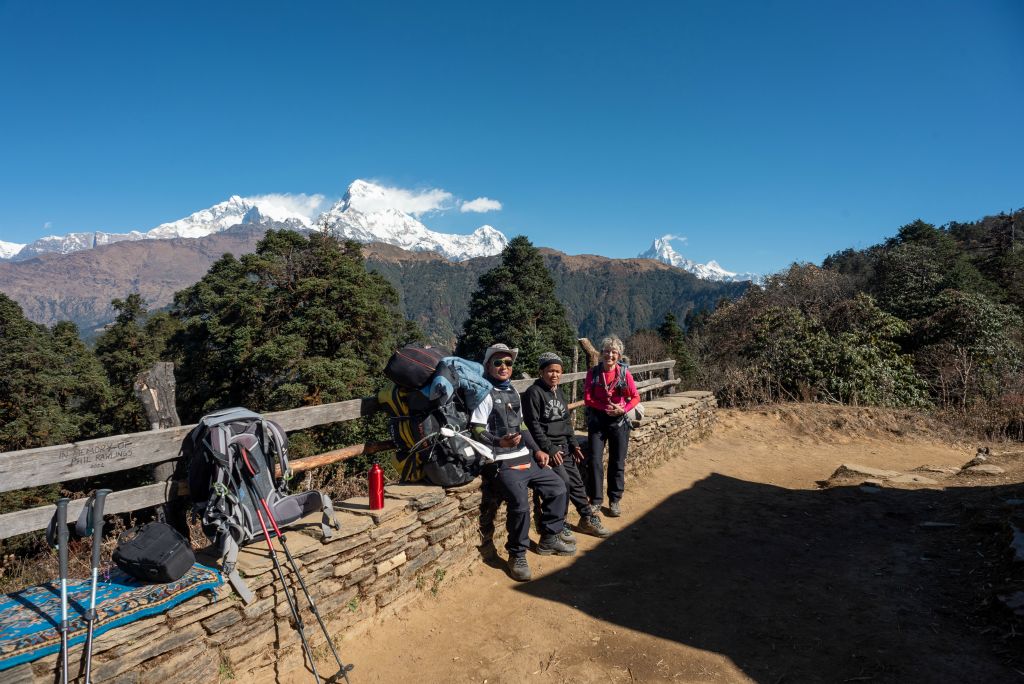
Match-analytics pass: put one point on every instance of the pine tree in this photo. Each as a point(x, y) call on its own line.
point(675, 340)
point(299, 322)
point(130, 345)
point(52, 389)
point(515, 303)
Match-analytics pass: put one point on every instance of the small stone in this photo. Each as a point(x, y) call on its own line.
point(391, 563)
point(985, 469)
point(910, 478)
point(853, 470)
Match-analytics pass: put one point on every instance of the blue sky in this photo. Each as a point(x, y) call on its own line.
point(762, 132)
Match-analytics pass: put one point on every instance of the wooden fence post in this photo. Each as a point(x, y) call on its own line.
point(593, 356)
point(155, 388)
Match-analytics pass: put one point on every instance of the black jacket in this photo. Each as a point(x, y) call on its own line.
point(548, 418)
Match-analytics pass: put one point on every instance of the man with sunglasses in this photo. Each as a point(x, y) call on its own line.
point(519, 465)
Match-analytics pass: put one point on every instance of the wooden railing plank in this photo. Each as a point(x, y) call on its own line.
point(128, 500)
point(124, 501)
point(45, 465)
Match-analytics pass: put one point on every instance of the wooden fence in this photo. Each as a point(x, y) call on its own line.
point(64, 462)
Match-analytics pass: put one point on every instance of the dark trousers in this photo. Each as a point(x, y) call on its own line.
point(570, 473)
point(615, 432)
point(514, 486)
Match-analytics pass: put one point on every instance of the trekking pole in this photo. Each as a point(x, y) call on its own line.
point(343, 669)
point(97, 549)
point(62, 558)
point(292, 601)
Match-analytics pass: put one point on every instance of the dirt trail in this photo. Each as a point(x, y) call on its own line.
point(729, 564)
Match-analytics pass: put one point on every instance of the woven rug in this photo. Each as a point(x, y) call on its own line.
point(30, 618)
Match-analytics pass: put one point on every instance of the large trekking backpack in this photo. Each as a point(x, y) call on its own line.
point(413, 365)
point(431, 435)
point(219, 483)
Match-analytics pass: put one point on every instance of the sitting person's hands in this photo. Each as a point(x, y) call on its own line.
point(510, 440)
point(557, 457)
point(578, 455)
point(542, 459)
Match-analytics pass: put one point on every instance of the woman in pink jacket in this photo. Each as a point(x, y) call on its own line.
point(609, 393)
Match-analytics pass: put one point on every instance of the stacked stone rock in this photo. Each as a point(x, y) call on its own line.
point(379, 563)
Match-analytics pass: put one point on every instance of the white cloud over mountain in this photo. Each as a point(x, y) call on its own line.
point(481, 205)
point(302, 204)
point(371, 197)
point(368, 212)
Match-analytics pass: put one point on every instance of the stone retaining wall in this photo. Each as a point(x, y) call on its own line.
point(380, 562)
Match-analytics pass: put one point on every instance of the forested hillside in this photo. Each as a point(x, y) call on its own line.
point(600, 295)
point(931, 317)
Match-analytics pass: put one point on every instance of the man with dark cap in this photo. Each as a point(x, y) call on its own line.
point(547, 417)
point(519, 465)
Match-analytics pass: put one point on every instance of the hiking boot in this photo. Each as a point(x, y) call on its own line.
point(591, 524)
point(567, 536)
point(613, 509)
point(519, 569)
point(553, 544)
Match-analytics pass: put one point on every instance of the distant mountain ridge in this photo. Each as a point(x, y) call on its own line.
point(601, 295)
point(362, 215)
point(663, 251)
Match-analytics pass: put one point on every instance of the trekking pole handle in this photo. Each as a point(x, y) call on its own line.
point(62, 534)
point(97, 526)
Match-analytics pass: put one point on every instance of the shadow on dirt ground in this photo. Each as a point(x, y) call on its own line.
point(833, 585)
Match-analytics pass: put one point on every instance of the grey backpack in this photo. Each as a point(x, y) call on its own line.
point(219, 481)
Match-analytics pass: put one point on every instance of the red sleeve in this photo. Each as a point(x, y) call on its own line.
point(632, 393)
point(588, 396)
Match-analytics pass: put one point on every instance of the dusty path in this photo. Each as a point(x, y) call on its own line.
point(729, 564)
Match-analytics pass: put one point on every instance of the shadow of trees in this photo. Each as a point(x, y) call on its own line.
point(833, 585)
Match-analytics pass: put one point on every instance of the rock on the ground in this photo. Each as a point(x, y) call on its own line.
point(984, 469)
point(852, 470)
point(911, 478)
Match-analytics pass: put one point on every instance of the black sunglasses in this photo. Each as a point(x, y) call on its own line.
point(498, 363)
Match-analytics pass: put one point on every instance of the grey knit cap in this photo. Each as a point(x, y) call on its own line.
point(548, 358)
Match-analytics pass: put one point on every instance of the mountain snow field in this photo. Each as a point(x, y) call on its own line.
point(367, 213)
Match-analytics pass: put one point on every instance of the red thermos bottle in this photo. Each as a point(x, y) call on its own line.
point(375, 480)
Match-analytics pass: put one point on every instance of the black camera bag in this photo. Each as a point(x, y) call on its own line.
point(157, 553)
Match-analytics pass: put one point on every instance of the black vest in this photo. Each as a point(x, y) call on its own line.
point(506, 417)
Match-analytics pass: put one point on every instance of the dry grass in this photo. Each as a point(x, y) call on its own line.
point(20, 572)
point(827, 422)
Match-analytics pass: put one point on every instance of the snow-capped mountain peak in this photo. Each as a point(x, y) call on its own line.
point(232, 212)
point(372, 213)
point(661, 249)
point(368, 212)
point(9, 249)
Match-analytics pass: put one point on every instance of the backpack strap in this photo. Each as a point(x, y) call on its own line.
point(229, 524)
point(623, 370)
point(230, 570)
point(277, 443)
point(288, 509)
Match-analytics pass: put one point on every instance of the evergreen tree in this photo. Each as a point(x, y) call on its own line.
point(299, 322)
point(130, 345)
point(515, 303)
point(52, 390)
point(675, 342)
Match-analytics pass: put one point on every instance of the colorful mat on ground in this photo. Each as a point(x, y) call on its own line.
point(29, 619)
